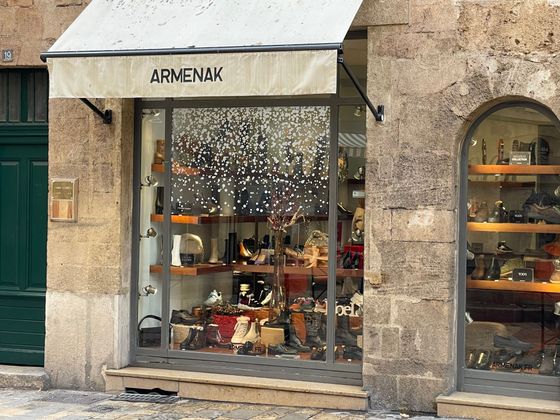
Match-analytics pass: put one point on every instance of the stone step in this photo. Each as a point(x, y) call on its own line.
point(230, 388)
point(23, 377)
point(496, 407)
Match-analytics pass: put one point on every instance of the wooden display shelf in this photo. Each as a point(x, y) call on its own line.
point(512, 227)
point(514, 169)
point(514, 286)
point(317, 271)
point(195, 270)
point(206, 219)
point(505, 184)
point(178, 170)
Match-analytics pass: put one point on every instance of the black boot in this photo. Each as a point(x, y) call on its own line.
point(185, 343)
point(313, 322)
point(295, 342)
point(343, 334)
point(493, 272)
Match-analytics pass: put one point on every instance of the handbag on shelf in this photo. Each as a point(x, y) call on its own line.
point(150, 336)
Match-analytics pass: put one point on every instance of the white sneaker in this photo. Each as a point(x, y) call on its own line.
point(214, 298)
point(252, 335)
point(241, 329)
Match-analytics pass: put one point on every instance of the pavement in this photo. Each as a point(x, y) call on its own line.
point(78, 405)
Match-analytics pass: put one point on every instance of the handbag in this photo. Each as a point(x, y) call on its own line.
point(150, 336)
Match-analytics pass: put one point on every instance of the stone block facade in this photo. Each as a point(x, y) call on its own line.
point(435, 72)
point(435, 64)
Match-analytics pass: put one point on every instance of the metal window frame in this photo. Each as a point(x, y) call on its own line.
point(317, 371)
point(470, 380)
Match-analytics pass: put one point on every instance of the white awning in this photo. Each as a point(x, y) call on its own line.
point(200, 48)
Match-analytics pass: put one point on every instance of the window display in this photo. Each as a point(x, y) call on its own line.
point(234, 223)
point(512, 255)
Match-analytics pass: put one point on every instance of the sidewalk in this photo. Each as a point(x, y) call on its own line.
point(76, 405)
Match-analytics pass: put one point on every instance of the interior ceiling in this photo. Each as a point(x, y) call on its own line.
point(524, 115)
point(355, 52)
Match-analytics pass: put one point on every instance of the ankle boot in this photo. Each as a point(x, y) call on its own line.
point(313, 324)
point(199, 339)
point(159, 200)
point(480, 268)
point(343, 334)
point(213, 336)
point(190, 336)
point(493, 272)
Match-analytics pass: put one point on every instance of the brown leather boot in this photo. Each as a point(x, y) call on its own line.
point(298, 321)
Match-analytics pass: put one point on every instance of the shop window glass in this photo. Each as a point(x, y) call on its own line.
point(350, 233)
point(150, 250)
point(513, 258)
point(245, 222)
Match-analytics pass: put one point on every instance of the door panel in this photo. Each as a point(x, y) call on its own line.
point(23, 236)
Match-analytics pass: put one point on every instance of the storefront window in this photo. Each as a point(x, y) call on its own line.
point(513, 234)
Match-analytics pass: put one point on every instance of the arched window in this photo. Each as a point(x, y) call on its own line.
point(512, 288)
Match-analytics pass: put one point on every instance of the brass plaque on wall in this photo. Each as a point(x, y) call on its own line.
point(64, 194)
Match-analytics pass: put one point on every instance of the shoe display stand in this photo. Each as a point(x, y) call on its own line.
point(494, 294)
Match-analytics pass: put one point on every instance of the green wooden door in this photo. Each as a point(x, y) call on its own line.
point(23, 241)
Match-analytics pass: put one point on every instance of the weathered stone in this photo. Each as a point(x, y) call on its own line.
point(382, 12)
point(425, 225)
point(390, 340)
point(420, 393)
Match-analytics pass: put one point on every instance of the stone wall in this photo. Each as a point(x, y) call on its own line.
point(88, 263)
point(30, 27)
point(436, 65)
point(88, 273)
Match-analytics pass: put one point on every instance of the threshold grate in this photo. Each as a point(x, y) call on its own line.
point(148, 398)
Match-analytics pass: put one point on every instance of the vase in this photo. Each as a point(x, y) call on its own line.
point(159, 200)
point(277, 305)
point(213, 251)
point(176, 251)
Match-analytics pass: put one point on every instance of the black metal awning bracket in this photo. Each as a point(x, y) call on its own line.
point(379, 112)
point(106, 116)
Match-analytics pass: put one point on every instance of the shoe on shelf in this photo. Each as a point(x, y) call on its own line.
point(190, 336)
point(511, 343)
point(480, 267)
point(352, 353)
point(342, 210)
point(214, 298)
point(502, 248)
point(319, 354)
point(296, 343)
point(281, 349)
point(182, 317)
point(253, 334)
point(320, 306)
point(510, 265)
point(241, 329)
point(493, 272)
point(214, 338)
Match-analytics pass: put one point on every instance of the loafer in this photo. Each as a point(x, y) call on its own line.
point(281, 349)
point(511, 343)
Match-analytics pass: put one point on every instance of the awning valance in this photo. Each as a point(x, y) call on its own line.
point(200, 48)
